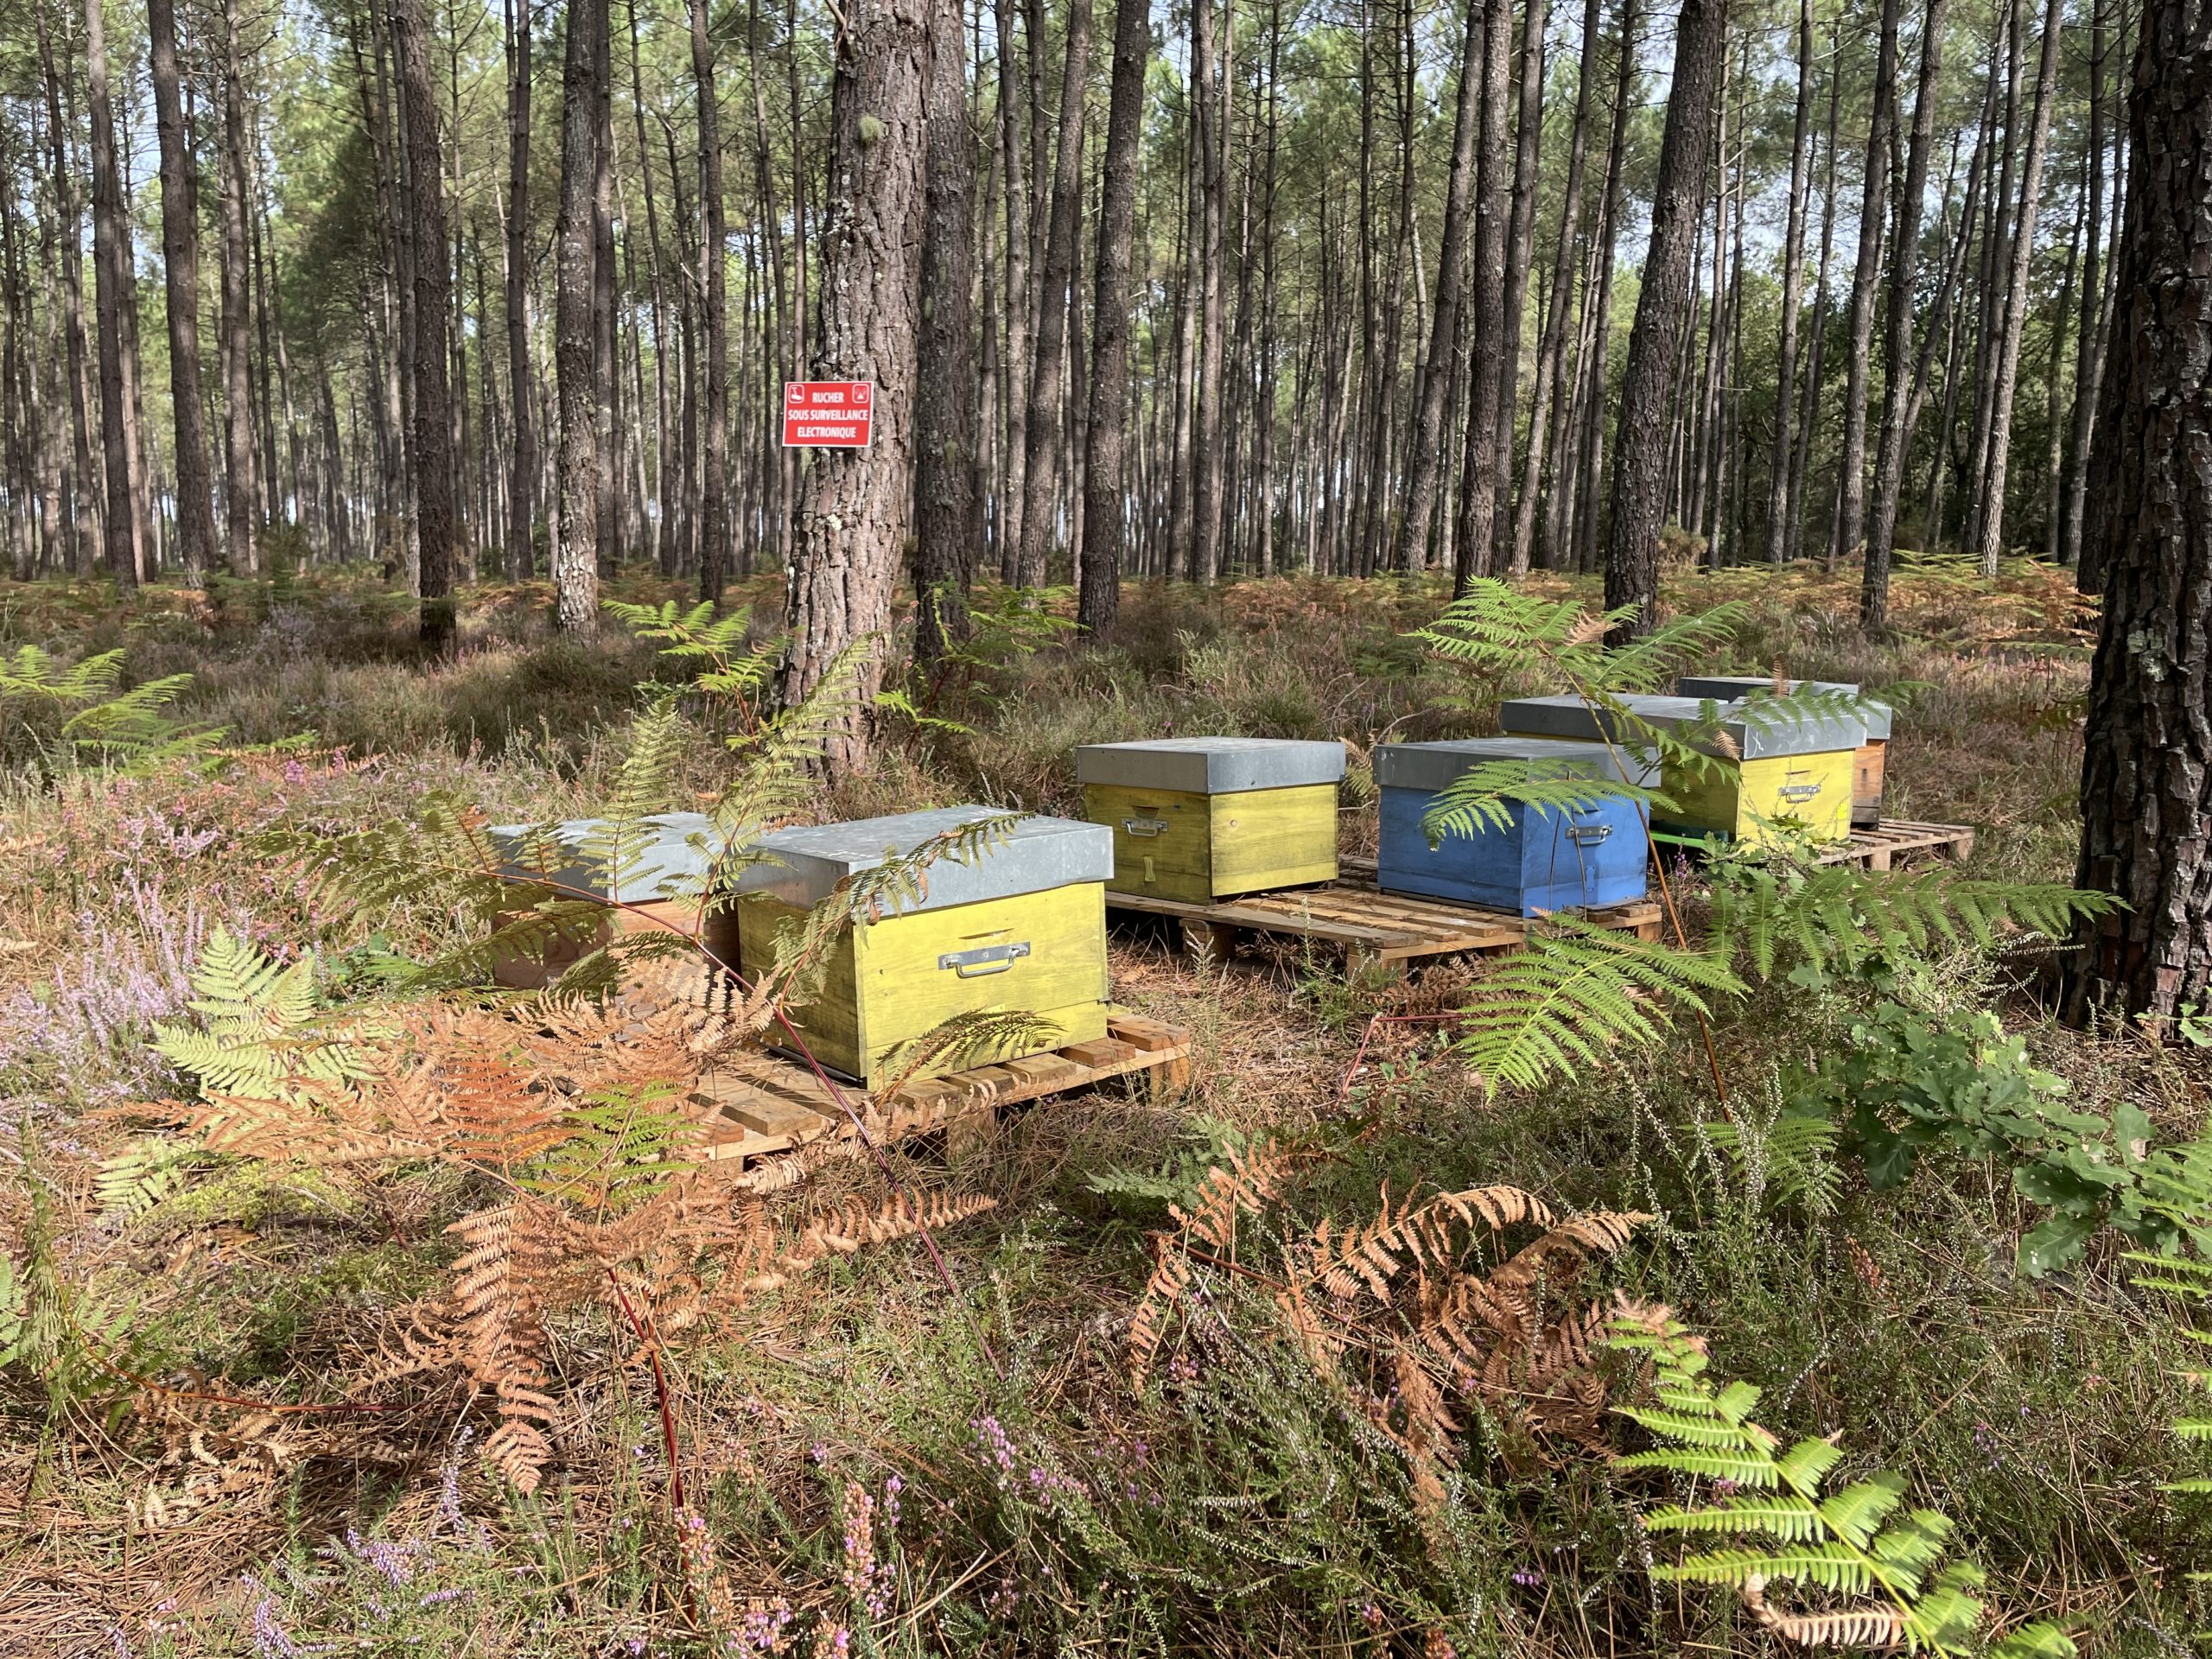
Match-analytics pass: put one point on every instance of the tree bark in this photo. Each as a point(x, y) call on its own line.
point(2147, 771)
point(1992, 516)
point(1041, 471)
point(1425, 456)
point(523, 460)
point(241, 495)
point(1018, 318)
point(1898, 405)
point(432, 445)
point(714, 262)
point(1105, 483)
point(576, 556)
point(196, 509)
point(1475, 536)
point(1792, 294)
point(1851, 497)
point(945, 381)
point(1639, 481)
point(852, 516)
point(1519, 250)
point(111, 248)
point(2090, 338)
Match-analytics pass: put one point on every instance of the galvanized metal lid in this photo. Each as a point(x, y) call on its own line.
point(1430, 767)
point(1753, 740)
point(805, 865)
point(1211, 765)
point(669, 857)
point(1733, 687)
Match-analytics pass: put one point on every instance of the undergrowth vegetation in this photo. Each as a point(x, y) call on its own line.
point(1788, 1281)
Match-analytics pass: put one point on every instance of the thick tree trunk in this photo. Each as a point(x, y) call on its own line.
point(714, 262)
point(110, 249)
point(432, 445)
point(1639, 481)
point(1041, 472)
point(945, 379)
point(852, 516)
point(2146, 770)
point(1898, 406)
point(195, 507)
point(1105, 483)
point(1851, 497)
point(1425, 456)
point(1991, 515)
point(576, 548)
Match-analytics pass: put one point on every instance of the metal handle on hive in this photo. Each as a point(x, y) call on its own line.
point(1145, 826)
point(1589, 835)
point(984, 959)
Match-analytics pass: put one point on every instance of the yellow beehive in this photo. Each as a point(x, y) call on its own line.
point(1870, 763)
point(1790, 778)
point(1019, 927)
point(1200, 818)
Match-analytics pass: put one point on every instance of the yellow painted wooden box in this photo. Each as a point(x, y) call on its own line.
point(1794, 777)
point(1200, 818)
point(1019, 927)
point(1872, 757)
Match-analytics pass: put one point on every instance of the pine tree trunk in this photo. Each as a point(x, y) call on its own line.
point(1425, 456)
point(1632, 548)
point(575, 565)
point(1475, 536)
point(1793, 295)
point(944, 403)
point(242, 494)
point(1520, 249)
point(2089, 338)
point(1898, 407)
point(1851, 499)
point(1105, 484)
point(195, 511)
point(1992, 516)
point(111, 248)
point(431, 447)
point(852, 518)
point(2146, 774)
point(1209, 427)
point(1018, 316)
point(714, 264)
point(522, 475)
point(1041, 474)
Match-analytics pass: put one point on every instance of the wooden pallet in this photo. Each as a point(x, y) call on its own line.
point(1895, 840)
point(763, 1104)
point(1368, 926)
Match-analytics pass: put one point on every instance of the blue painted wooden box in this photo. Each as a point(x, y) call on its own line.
point(1548, 858)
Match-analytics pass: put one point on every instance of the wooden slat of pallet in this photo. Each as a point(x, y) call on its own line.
point(1879, 848)
point(768, 1104)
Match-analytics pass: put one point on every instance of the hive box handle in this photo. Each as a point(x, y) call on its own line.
point(1589, 835)
point(1145, 826)
point(984, 959)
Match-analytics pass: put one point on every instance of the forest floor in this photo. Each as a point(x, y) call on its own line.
point(880, 1465)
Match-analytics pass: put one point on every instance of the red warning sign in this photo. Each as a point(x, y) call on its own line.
point(829, 414)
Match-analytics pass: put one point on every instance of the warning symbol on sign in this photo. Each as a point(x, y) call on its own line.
point(829, 414)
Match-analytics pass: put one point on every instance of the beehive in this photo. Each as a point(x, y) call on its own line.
point(1548, 858)
point(1020, 926)
point(1868, 765)
point(1794, 777)
point(658, 885)
point(1202, 818)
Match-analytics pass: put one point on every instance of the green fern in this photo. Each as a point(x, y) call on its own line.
point(1505, 631)
point(137, 729)
point(144, 1175)
point(2180, 1190)
point(1578, 993)
point(263, 1026)
point(1486, 796)
point(1850, 1540)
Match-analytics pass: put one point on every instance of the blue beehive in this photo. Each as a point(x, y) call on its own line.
point(1548, 858)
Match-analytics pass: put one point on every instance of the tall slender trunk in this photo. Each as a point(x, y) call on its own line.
point(1632, 549)
point(1896, 332)
point(714, 262)
point(522, 473)
point(1992, 516)
point(1105, 483)
point(1018, 316)
point(241, 496)
point(1996, 268)
point(1208, 428)
point(944, 389)
point(1520, 249)
point(1581, 497)
point(576, 567)
point(1425, 453)
point(1476, 534)
point(110, 249)
point(1041, 472)
point(195, 511)
point(1851, 501)
point(432, 445)
point(852, 519)
point(1793, 295)
point(2089, 337)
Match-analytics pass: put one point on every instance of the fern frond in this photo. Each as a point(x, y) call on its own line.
point(1494, 795)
